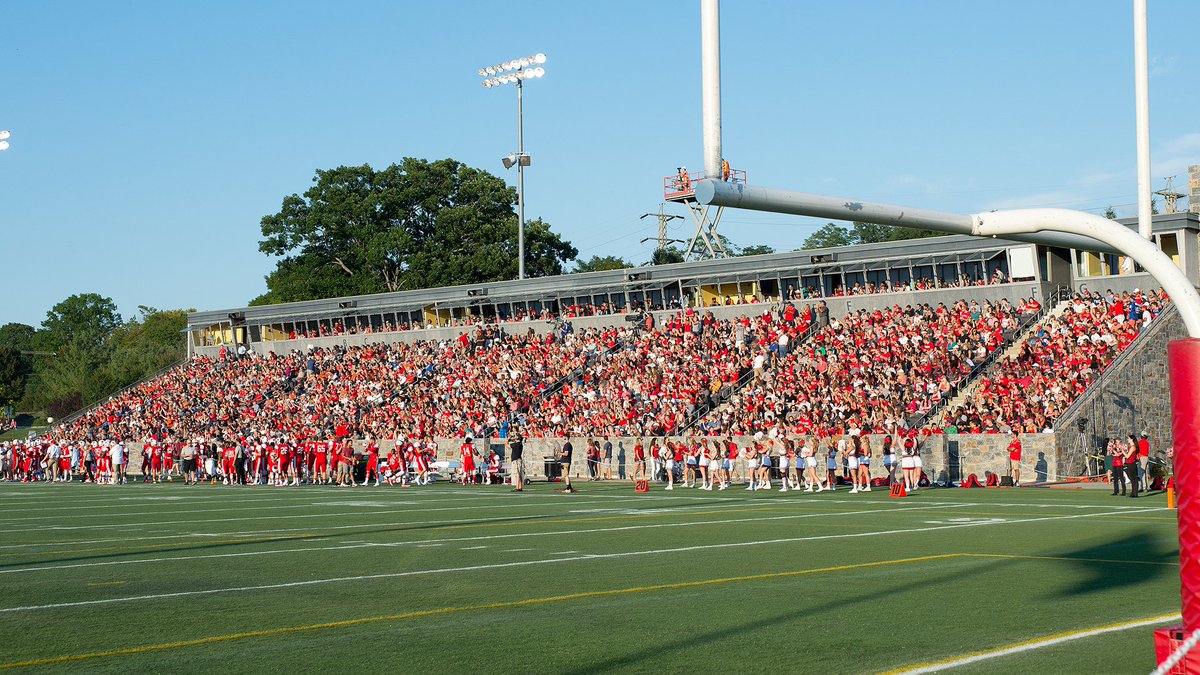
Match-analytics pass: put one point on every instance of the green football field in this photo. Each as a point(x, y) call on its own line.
point(445, 578)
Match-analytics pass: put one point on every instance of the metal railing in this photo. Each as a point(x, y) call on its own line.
point(684, 184)
point(89, 407)
point(744, 378)
point(1113, 366)
point(988, 363)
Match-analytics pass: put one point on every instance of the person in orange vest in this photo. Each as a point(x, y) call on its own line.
point(724, 170)
point(685, 183)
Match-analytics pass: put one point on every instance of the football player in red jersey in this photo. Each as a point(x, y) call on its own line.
point(170, 452)
point(421, 454)
point(320, 462)
point(155, 460)
point(273, 459)
point(229, 463)
point(493, 468)
point(392, 467)
point(372, 462)
point(468, 454)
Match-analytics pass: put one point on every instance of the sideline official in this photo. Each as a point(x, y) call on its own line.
point(515, 449)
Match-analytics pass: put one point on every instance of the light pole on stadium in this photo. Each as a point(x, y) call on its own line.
point(515, 72)
point(4, 139)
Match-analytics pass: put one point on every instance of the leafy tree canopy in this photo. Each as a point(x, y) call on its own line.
point(756, 249)
point(17, 335)
point(12, 376)
point(416, 224)
point(833, 235)
point(599, 263)
point(666, 256)
point(84, 319)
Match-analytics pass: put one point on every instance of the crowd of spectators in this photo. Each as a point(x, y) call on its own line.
point(1060, 359)
point(871, 371)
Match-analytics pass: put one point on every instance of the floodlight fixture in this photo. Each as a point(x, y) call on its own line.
point(4, 135)
point(515, 71)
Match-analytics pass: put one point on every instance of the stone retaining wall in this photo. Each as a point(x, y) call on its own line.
point(1131, 397)
point(945, 457)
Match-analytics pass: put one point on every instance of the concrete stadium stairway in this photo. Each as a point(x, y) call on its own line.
point(742, 382)
point(1060, 301)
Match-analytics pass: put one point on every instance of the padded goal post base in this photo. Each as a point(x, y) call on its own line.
point(1183, 364)
point(1166, 641)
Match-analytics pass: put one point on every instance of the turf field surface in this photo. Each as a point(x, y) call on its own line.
point(447, 578)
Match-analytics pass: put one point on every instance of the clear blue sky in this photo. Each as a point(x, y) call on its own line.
point(149, 138)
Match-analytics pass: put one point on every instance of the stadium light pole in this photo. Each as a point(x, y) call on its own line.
point(4, 135)
point(516, 72)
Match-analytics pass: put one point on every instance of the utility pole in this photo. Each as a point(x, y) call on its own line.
point(663, 219)
point(1170, 196)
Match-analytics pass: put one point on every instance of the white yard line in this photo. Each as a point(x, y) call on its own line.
point(307, 501)
point(440, 541)
point(1031, 645)
point(546, 561)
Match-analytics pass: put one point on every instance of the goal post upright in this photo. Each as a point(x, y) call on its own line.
point(1051, 227)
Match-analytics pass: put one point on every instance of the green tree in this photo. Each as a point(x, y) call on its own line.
point(871, 233)
point(416, 224)
point(85, 319)
point(146, 344)
point(17, 335)
point(666, 256)
point(756, 249)
point(831, 235)
point(1110, 213)
point(12, 376)
point(76, 338)
point(16, 365)
point(599, 263)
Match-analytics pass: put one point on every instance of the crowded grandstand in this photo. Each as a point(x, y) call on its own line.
point(889, 344)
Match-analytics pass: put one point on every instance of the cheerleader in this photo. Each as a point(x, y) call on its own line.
point(705, 462)
point(721, 455)
point(667, 456)
point(751, 465)
point(906, 468)
point(691, 462)
point(863, 449)
point(785, 457)
point(850, 454)
point(889, 458)
point(764, 468)
point(831, 468)
point(807, 465)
